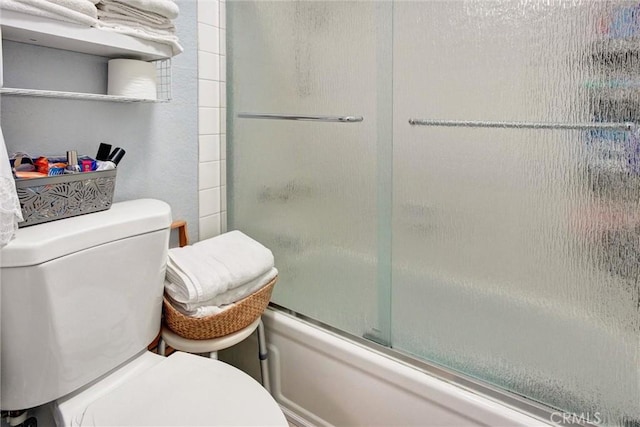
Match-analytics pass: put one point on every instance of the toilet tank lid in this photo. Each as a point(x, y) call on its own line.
point(44, 242)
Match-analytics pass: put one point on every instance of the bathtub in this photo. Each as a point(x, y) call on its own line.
point(322, 378)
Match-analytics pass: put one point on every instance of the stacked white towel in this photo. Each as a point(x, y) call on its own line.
point(76, 11)
point(146, 19)
point(206, 277)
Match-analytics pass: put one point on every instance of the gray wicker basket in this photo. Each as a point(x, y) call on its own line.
point(63, 196)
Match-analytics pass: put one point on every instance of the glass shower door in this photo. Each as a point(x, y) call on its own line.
point(304, 168)
point(515, 221)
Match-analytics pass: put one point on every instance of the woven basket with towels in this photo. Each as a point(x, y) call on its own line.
point(241, 315)
point(217, 286)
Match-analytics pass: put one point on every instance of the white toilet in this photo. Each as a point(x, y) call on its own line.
point(81, 300)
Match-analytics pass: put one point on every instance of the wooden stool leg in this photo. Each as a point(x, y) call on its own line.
point(183, 238)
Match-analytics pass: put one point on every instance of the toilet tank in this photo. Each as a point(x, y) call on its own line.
point(79, 297)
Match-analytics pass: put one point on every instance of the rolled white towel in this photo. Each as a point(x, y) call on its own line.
point(214, 266)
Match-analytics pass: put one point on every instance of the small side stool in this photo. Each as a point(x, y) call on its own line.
point(212, 346)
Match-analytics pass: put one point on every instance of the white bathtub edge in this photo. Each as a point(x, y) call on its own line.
point(403, 379)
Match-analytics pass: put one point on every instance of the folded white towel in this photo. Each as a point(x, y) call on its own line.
point(166, 8)
point(221, 302)
point(214, 266)
point(162, 7)
point(74, 11)
point(228, 297)
point(142, 33)
point(10, 212)
point(199, 312)
point(80, 6)
point(165, 27)
point(122, 11)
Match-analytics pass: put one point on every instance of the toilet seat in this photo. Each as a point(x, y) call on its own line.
point(182, 390)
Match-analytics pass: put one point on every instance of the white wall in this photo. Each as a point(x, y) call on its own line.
point(164, 158)
point(161, 139)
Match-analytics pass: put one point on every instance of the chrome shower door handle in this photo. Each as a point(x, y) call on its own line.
point(338, 119)
point(626, 126)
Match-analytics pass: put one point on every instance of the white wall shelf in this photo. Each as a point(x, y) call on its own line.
point(72, 95)
point(35, 30)
point(40, 31)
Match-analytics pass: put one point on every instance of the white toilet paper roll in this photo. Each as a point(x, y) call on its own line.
point(132, 78)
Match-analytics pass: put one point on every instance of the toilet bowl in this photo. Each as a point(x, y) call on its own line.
point(179, 390)
point(80, 301)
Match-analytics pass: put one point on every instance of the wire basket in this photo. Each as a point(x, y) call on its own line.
point(63, 196)
point(163, 80)
point(239, 316)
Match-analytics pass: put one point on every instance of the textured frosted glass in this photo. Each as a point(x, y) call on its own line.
point(307, 190)
point(516, 253)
